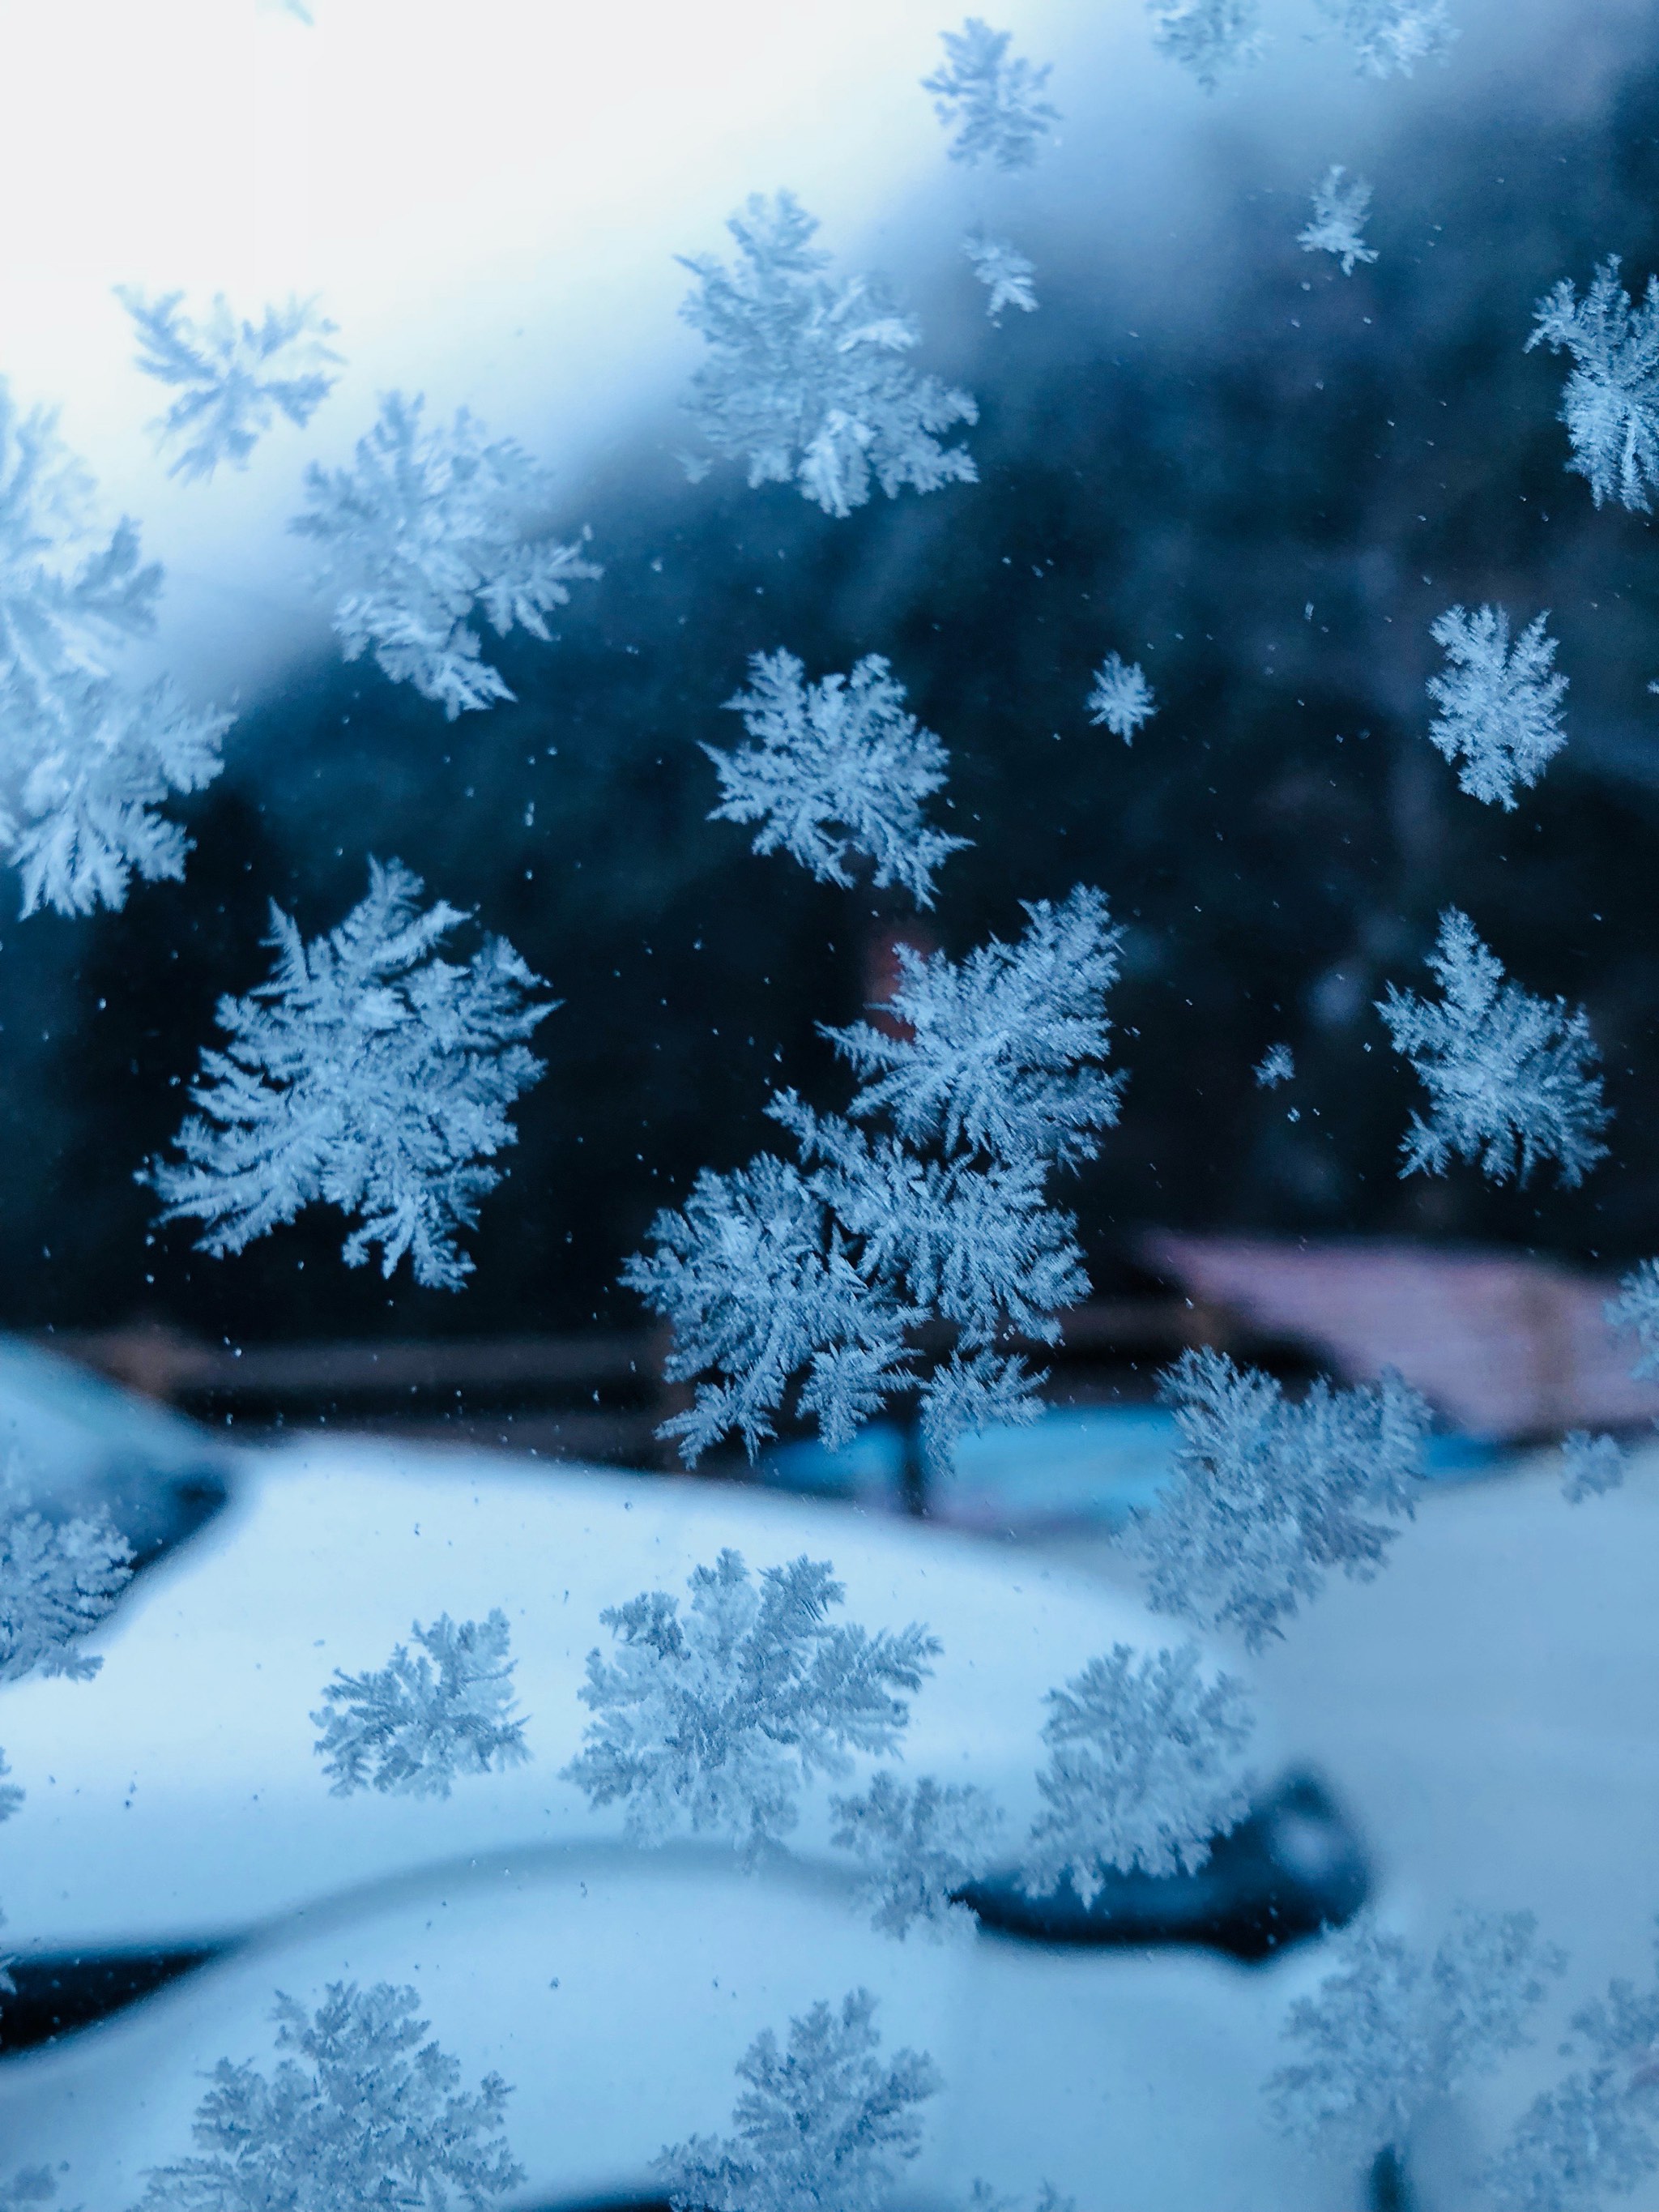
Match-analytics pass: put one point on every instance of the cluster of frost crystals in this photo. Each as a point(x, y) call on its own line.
point(1341, 205)
point(993, 102)
point(57, 1581)
point(806, 381)
point(1276, 1065)
point(1511, 1079)
point(1006, 273)
point(1143, 1770)
point(826, 1266)
point(1391, 2031)
point(1590, 1465)
point(981, 2197)
point(716, 1719)
point(823, 2123)
point(87, 759)
point(366, 1074)
point(11, 1799)
point(358, 2112)
point(1636, 1308)
point(921, 1844)
point(1500, 705)
point(426, 528)
point(1610, 403)
point(1392, 34)
point(1121, 698)
point(1210, 38)
point(1267, 1495)
point(414, 1724)
point(233, 377)
point(838, 768)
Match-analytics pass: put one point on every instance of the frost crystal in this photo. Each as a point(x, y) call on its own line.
point(1610, 403)
point(233, 377)
point(823, 2126)
point(358, 2112)
point(993, 102)
point(57, 1582)
point(407, 1729)
point(1208, 37)
point(839, 767)
point(1510, 1077)
point(1392, 34)
point(1143, 1770)
point(1636, 1308)
point(1390, 2032)
point(1276, 1065)
point(1500, 707)
point(366, 1074)
point(11, 1797)
point(427, 526)
point(1267, 1495)
point(1338, 226)
point(718, 1719)
point(1590, 1466)
point(1006, 273)
point(1121, 698)
point(31, 2184)
point(805, 382)
point(921, 1845)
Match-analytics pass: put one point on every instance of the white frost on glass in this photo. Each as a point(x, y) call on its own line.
point(920, 1843)
point(1121, 698)
point(1005, 271)
point(1209, 38)
point(1610, 403)
point(58, 1580)
point(1500, 705)
point(1341, 206)
point(1388, 35)
point(1276, 1065)
point(233, 377)
point(416, 1723)
point(1590, 1465)
point(992, 101)
point(1636, 1308)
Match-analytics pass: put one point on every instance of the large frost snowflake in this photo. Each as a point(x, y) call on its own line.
point(1391, 2031)
point(838, 768)
point(1267, 1495)
point(367, 1074)
point(994, 102)
point(86, 759)
point(1392, 34)
point(718, 1718)
point(1511, 1079)
point(359, 2112)
point(1341, 205)
point(805, 381)
point(427, 526)
point(57, 1581)
point(1500, 706)
point(1610, 403)
point(1143, 1770)
point(1121, 698)
point(233, 377)
point(1005, 271)
point(1210, 38)
point(921, 1844)
point(414, 1724)
point(824, 2125)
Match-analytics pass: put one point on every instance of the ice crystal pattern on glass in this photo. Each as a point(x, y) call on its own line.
point(805, 381)
point(88, 758)
point(716, 1719)
point(1500, 705)
point(233, 377)
point(1208, 38)
point(11, 1798)
point(920, 1843)
point(367, 1074)
point(358, 2111)
point(1610, 403)
point(1511, 1079)
point(1388, 35)
point(826, 1266)
point(1341, 206)
point(1392, 2030)
point(415, 1725)
point(1590, 1465)
point(993, 100)
point(1006, 274)
point(1267, 1494)
point(427, 528)
point(1276, 1065)
point(57, 1581)
point(1636, 1308)
point(1143, 1770)
point(825, 2122)
point(839, 769)
point(1121, 698)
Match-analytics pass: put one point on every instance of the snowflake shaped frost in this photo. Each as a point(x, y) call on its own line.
point(1276, 1065)
point(57, 1581)
point(358, 2112)
point(838, 767)
point(1636, 1307)
point(993, 102)
point(1207, 37)
point(921, 1846)
point(1610, 403)
point(1121, 698)
point(1006, 273)
point(235, 377)
point(408, 1729)
point(1590, 1465)
point(1510, 1077)
point(367, 1074)
point(1143, 1770)
point(822, 2124)
point(718, 1719)
point(805, 382)
point(1500, 707)
point(427, 526)
point(1338, 224)
point(1392, 34)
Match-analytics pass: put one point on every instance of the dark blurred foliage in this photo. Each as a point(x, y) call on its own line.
point(1267, 504)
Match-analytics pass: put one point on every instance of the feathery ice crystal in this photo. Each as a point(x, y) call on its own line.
point(1340, 206)
point(1500, 706)
point(1590, 1466)
point(921, 1844)
point(57, 1581)
point(233, 377)
point(1208, 38)
point(1121, 698)
point(1005, 271)
point(1636, 1308)
point(993, 102)
point(1388, 35)
point(1610, 403)
point(407, 1727)
point(1276, 1065)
